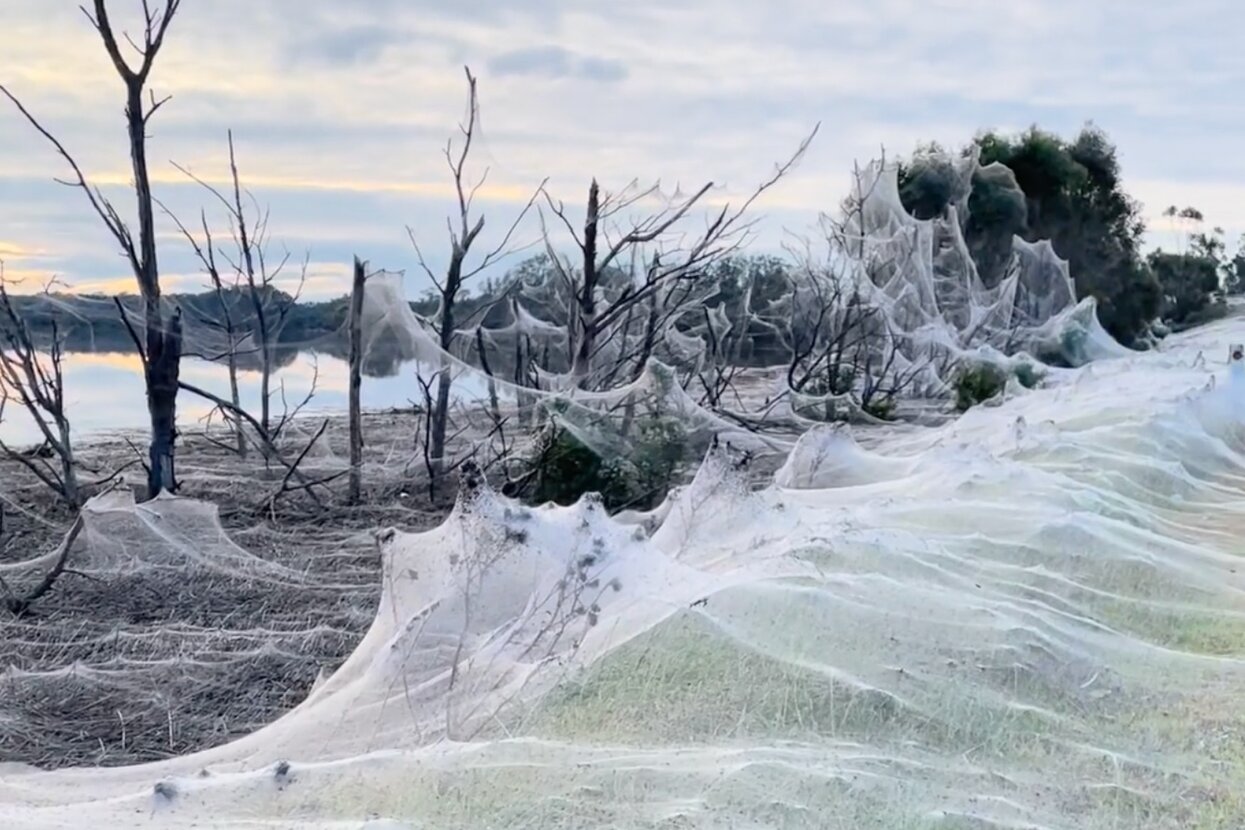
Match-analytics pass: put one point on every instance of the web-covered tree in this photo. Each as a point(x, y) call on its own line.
point(1073, 196)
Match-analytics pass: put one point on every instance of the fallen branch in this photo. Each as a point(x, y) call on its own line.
point(113, 476)
point(20, 605)
point(293, 470)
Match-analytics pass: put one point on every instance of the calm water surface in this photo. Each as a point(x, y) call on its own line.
point(105, 392)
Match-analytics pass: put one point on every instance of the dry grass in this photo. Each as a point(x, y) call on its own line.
point(136, 664)
point(133, 664)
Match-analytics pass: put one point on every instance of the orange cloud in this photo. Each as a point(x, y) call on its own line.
point(26, 280)
point(127, 285)
point(113, 285)
point(129, 362)
point(16, 250)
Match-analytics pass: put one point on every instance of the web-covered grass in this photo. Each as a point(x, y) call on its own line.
point(161, 643)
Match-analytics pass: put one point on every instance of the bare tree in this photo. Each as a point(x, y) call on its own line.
point(827, 323)
point(224, 323)
point(160, 348)
point(37, 384)
point(268, 445)
point(355, 328)
point(458, 272)
point(606, 243)
point(258, 274)
point(845, 349)
point(725, 339)
point(846, 345)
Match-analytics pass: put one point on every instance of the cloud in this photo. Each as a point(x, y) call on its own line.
point(15, 250)
point(440, 189)
point(557, 62)
point(170, 282)
point(347, 46)
point(602, 69)
point(26, 280)
point(341, 111)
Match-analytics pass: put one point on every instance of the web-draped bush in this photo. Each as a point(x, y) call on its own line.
point(562, 467)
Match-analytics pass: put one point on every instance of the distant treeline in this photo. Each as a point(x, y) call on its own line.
point(86, 322)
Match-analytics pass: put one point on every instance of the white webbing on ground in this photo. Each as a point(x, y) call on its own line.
point(1031, 617)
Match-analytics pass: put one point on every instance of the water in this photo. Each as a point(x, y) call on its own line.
point(105, 393)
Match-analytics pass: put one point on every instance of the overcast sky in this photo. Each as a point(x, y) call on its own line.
point(341, 109)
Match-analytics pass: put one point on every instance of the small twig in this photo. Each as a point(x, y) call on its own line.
point(127, 465)
point(293, 468)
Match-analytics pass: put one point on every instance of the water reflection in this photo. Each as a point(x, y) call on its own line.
point(105, 392)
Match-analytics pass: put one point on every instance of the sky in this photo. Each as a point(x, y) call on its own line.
point(341, 111)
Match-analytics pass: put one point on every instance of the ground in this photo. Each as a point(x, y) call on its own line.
point(141, 650)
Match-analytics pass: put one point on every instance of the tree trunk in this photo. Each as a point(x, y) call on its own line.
point(265, 352)
point(69, 474)
point(238, 430)
point(441, 411)
point(520, 382)
point(440, 417)
point(494, 404)
point(164, 352)
point(265, 385)
point(164, 343)
point(356, 382)
point(586, 333)
point(148, 277)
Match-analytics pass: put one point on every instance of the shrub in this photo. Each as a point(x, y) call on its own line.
point(1068, 352)
point(1190, 283)
point(883, 409)
point(1214, 310)
point(660, 450)
point(1029, 375)
point(977, 384)
point(563, 468)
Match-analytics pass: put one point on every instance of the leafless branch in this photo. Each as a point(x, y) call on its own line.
point(19, 605)
point(36, 380)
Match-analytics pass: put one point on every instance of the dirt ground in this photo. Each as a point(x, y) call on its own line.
point(124, 664)
point(147, 646)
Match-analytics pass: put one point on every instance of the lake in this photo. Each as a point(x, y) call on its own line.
point(105, 392)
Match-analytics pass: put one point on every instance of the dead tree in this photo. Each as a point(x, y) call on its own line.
point(160, 346)
point(258, 276)
point(457, 273)
point(644, 329)
point(844, 345)
point(886, 373)
point(37, 384)
point(271, 450)
point(355, 327)
point(826, 320)
point(725, 339)
point(224, 323)
point(659, 241)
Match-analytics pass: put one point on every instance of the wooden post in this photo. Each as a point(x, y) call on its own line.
point(356, 380)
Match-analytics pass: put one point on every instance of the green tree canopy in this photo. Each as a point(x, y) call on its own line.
point(1036, 185)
